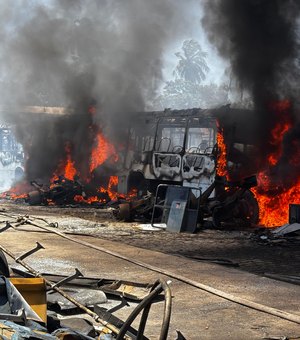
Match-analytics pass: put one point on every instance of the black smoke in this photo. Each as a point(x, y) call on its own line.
point(260, 38)
point(78, 54)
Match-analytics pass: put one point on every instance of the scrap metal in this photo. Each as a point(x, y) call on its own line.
point(144, 306)
point(62, 191)
point(247, 303)
point(61, 292)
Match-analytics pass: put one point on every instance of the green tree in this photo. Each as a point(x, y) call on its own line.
point(192, 64)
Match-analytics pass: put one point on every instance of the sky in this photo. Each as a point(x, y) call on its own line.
point(19, 11)
point(217, 64)
point(195, 31)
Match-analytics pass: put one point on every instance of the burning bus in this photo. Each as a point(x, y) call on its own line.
point(214, 151)
point(198, 149)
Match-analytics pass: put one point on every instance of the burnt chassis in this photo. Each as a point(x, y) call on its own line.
point(234, 202)
point(192, 166)
point(62, 191)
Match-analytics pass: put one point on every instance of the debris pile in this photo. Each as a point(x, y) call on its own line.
point(64, 192)
point(49, 305)
point(61, 192)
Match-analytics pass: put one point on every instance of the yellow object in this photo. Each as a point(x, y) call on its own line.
point(33, 291)
point(6, 331)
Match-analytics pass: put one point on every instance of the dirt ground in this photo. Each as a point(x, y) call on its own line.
point(197, 314)
point(244, 247)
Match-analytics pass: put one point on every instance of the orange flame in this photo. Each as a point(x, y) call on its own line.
point(110, 191)
point(279, 130)
point(273, 200)
point(70, 170)
point(19, 190)
point(65, 168)
point(113, 182)
point(113, 194)
point(222, 154)
point(101, 152)
point(88, 200)
point(274, 206)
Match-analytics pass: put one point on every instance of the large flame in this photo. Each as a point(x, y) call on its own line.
point(101, 152)
point(274, 203)
point(273, 199)
point(67, 174)
point(65, 168)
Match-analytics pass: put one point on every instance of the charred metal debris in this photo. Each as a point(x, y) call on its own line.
point(180, 150)
point(53, 311)
point(104, 322)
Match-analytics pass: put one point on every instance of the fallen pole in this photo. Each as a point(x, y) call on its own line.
point(241, 301)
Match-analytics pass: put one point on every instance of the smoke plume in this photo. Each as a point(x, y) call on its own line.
point(260, 38)
point(78, 54)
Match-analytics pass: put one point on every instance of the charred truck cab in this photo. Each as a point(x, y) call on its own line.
point(180, 147)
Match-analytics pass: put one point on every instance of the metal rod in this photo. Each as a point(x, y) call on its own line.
point(7, 226)
point(31, 251)
point(68, 279)
point(236, 299)
point(61, 292)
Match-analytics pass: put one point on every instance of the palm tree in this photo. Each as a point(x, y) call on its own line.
point(192, 65)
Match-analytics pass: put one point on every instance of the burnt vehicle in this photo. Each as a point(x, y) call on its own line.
point(11, 158)
point(181, 147)
point(62, 191)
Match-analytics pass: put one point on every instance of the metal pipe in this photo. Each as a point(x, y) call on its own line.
point(241, 301)
point(65, 295)
point(145, 305)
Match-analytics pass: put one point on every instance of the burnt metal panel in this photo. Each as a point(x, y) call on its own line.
point(294, 213)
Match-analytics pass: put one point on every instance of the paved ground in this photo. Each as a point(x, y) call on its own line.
point(198, 314)
point(244, 247)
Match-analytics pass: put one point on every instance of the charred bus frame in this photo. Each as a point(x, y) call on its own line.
point(180, 147)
